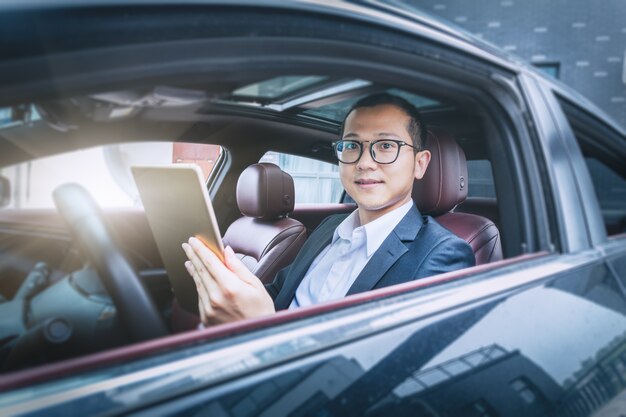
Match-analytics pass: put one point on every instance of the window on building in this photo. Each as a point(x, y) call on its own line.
point(524, 389)
point(553, 69)
point(480, 408)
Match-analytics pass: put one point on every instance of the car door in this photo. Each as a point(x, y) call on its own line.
point(601, 165)
point(543, 336)
point(539, 333)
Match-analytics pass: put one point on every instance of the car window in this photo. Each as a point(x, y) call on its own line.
point(104, 170)
point(610, 190)
point(5, 115)
point(603, 153)
point(323, 178)
point(314, 181)
point(10, 116)
point(278, 86)
point(338, 111)
point(480, 179)
point(279, 92)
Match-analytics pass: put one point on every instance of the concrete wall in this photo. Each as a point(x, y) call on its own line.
point(587, 39)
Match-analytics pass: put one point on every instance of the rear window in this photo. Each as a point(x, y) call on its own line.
point(480, 179)
point(314, 181)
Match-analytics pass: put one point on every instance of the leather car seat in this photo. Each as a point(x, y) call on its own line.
point(265, 238)
point(443, 187)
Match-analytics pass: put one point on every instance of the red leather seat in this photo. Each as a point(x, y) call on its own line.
point(443, 187)
point(265, 239)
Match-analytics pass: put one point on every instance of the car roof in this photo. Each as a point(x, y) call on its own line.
point(391, 14)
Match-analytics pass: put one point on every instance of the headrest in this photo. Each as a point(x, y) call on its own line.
point(444, 185)
point(265, 192)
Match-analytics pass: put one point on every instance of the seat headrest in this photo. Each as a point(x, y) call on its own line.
point(265, 192)
point(444, 185)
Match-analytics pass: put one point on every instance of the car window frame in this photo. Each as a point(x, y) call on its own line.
point(565, 177)
point(596, 139)
point(502, 103)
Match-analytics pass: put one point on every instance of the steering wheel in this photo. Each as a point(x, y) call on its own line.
point(138, 314)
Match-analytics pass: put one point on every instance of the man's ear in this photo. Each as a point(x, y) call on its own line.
point(422, 159)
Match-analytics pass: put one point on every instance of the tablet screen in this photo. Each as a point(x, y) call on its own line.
point(178, 207)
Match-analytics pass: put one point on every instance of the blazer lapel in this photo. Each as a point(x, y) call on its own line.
point(316, 243)
point(392, 248)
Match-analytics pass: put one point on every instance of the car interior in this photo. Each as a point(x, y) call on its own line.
point(256, 203)
point(265, 198)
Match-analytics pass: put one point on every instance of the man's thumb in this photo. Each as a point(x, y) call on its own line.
point(237, 266)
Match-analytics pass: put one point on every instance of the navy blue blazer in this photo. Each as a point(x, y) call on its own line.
point(417, 247)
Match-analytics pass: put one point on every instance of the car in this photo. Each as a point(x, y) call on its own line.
point(91, 322)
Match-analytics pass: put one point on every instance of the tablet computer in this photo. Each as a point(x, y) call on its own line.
point(178, 207)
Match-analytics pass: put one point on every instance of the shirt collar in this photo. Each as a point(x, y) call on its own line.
point(347, 226)
point(375, 231)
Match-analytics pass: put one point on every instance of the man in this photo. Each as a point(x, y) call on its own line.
point(385, 241)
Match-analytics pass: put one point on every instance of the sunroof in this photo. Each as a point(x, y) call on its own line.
point(319, 96)
point(338, 111)
point(335, 111)
point(10, 116)
point(278, 87)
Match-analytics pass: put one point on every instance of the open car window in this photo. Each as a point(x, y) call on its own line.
point(262, 90)
point(286, 120)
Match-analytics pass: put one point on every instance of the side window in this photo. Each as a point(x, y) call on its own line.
point(314, 181)
point(104, 171)
point(319, 182)
point(480, 179)
point(603, 150)
point(610, 190)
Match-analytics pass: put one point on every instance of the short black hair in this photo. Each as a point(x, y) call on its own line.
point(417, 127)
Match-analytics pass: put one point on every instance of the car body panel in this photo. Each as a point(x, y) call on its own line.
point(559, 172)
point(412, 23)
point(436, 310)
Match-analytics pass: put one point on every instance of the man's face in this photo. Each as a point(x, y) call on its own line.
point(380, 188)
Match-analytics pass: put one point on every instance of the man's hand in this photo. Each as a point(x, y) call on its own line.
point(226, 291)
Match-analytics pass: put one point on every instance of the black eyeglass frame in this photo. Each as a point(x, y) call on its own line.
point(400, 144)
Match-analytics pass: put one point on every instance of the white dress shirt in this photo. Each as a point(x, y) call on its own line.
point(335, 269)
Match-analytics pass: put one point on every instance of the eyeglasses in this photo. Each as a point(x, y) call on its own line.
point(383, 151)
